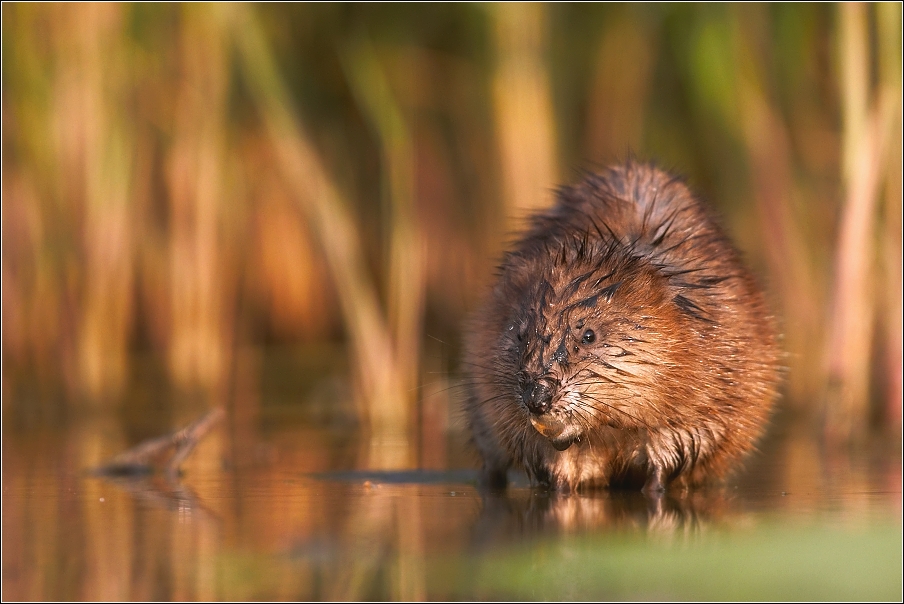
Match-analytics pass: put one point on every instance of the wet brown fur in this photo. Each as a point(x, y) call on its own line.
point(682, 371)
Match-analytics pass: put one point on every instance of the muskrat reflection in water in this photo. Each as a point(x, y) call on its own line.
point(624, 343)
point(517, 514)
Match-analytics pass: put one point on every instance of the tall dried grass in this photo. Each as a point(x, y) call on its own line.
point(189, 181)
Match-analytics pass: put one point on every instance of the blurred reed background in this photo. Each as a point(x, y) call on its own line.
point(189, 186)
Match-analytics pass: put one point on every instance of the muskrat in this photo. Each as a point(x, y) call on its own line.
point(624, 343)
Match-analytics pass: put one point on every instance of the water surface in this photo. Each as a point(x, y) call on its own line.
point(286, 511)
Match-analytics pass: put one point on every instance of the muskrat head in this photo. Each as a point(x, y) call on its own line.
point(576, 337)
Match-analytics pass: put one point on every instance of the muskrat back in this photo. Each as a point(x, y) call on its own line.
point(623, 343)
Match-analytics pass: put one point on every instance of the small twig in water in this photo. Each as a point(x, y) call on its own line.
point(141, 459)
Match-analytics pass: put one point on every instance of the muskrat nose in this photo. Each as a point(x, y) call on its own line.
point(537, 394)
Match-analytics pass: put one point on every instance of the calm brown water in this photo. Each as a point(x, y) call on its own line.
point(286, 511)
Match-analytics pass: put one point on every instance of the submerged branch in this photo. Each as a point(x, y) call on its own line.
point(166, 452)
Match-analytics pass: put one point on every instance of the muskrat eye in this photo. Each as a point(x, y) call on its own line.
point(589, 337)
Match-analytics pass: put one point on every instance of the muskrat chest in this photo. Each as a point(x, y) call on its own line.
point(623, 343)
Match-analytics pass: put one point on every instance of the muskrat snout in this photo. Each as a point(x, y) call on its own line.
point(537, 394)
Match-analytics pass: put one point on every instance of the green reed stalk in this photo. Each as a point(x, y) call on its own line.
point(381, 386)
